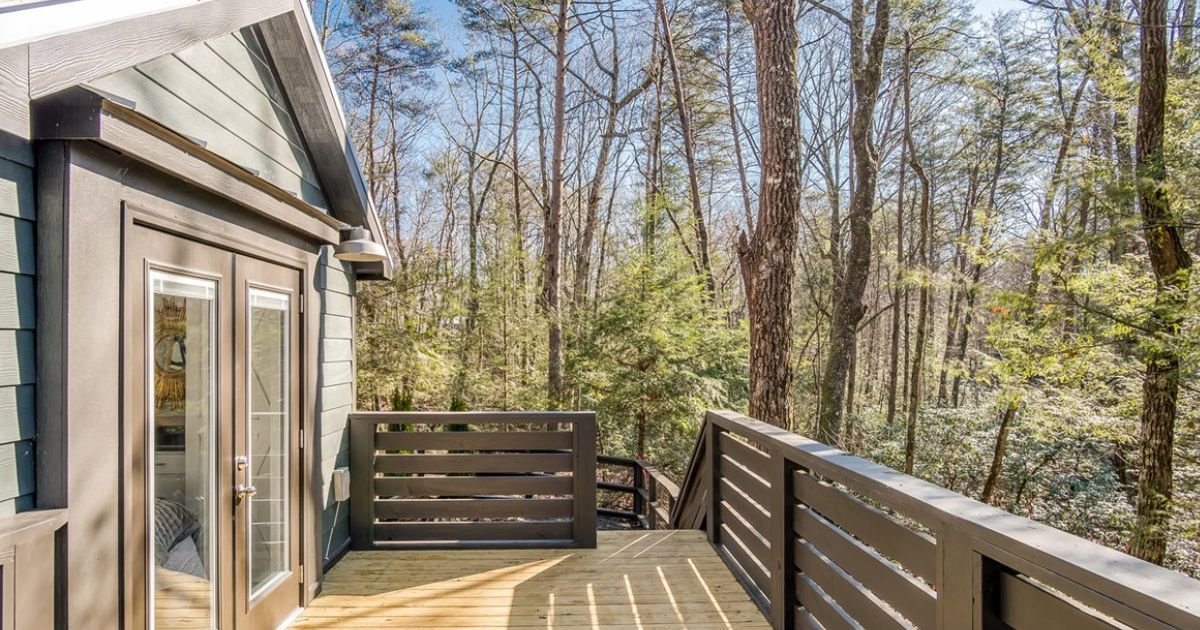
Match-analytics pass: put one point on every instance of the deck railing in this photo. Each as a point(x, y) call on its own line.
point(32, 548)
point(647, 492)
point(821, 538)
point(527, 480)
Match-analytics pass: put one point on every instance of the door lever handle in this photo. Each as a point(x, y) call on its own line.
point(245, 490)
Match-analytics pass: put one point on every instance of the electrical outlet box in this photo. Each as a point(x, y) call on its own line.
point(340, 481)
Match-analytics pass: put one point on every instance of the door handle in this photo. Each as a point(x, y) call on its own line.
point(245, 490)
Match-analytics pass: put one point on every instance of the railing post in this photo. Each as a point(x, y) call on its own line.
point(362, 483)
point(713, 465)
point(639, 489)
point(958, 580)
point(651, 499)
point(583, 432)
point(783, 567)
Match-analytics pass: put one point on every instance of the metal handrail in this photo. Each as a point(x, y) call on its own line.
point(652, 494)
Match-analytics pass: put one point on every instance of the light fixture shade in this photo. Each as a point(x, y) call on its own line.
point(357, 247)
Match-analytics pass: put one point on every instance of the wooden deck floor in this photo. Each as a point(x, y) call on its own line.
point(634, 579)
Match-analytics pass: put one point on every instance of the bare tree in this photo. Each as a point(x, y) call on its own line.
point(689, 152)
point(552, 275)
point(768, 259)
point(850, 279)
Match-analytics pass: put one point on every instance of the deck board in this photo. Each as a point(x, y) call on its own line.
point(633, 579)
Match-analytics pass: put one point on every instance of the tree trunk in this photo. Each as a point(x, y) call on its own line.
point(916, 391)
point(518, 209)
point(552, 280)
point(614, 104)
point(954, 306)
point(734, 127)
point(373, 117)
point(866, 66)
point(1114, 17)
point(972, 289)
point(851, 382)
point(768, 262)
point(689, 154)
point(894, 354)
point(1060, 160)
point(1171, 264)
point(591, 215)
point(989, 486)
point(1183, 51)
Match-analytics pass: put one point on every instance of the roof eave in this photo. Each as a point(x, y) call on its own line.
point(303, 72)
point(37, 68)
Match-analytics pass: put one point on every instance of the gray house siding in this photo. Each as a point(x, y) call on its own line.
point(224, 94)
point(335, 284)
point(18, 301)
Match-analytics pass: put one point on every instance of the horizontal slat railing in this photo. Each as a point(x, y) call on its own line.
point(472, 479)
point(823, 539)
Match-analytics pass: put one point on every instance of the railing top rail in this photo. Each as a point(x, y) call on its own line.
point(474, 417)
point(21, 527)
point(1044, 552)
point(665, 483)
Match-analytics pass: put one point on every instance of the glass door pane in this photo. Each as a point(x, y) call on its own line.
point(269, 371)
point(181, 338)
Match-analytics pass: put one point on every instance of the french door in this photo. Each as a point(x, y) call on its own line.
point(214, 494)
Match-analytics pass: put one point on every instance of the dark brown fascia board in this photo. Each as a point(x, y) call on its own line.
point(300, 65)
point(82, 114)
point(62, 61)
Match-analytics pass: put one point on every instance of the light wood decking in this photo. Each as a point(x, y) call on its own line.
point(633, 579)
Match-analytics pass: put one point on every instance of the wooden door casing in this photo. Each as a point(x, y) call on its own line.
point(149, 250)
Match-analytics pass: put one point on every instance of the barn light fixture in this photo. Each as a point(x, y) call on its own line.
point(356, 246)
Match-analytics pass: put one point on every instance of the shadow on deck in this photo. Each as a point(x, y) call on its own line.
point(635, 579)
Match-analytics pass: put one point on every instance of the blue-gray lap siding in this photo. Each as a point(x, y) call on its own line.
point(224, 93)
point(18, 297)
point(335, 284)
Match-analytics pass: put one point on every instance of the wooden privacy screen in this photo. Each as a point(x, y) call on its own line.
point(822, 539)
point(472, 479)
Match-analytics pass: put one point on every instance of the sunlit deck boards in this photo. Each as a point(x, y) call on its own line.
point(633, 579)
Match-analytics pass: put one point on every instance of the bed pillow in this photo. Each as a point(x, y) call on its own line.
point(173, 522)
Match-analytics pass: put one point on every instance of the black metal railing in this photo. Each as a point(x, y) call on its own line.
point(634, 492)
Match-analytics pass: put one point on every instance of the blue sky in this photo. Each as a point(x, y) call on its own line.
point(990, 6)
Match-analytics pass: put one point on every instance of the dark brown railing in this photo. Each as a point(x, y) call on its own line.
point(527, 480)
point(649, 494)
point(821, 538)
